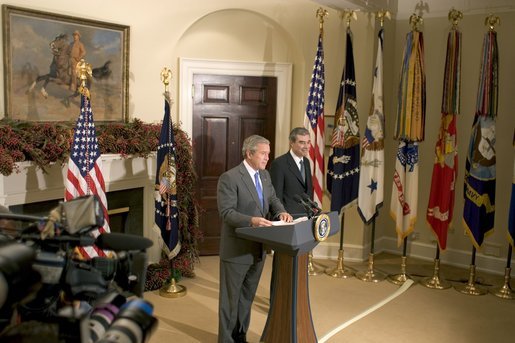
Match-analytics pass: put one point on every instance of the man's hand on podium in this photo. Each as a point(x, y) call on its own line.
point(260, 221)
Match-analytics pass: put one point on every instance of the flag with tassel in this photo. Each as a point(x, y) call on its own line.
point(371, 177)
point(343, 164)
point(480, 171)
point(440, 208)
point(409, 130)
point(166, 211)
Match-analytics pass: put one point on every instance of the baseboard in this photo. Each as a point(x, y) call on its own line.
point(423, 251)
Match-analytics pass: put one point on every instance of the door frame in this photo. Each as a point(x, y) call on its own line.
point(282, 71)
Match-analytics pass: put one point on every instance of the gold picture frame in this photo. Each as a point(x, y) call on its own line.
point(39, 50)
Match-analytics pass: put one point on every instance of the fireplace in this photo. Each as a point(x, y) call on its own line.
point(129, 187)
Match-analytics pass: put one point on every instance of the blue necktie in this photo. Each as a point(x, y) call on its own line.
point(258, 189)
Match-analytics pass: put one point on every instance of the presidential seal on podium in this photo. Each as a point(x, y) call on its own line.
point(322, 227)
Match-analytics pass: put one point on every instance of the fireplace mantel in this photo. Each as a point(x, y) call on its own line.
point(31, 185)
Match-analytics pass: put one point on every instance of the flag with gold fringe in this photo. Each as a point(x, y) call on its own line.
point(480, 173)
point(343, 164)
point(371, 177)
point(165, 193)
point(440, 208)
point(411, 107)
point(314, 121)
point(409, 130)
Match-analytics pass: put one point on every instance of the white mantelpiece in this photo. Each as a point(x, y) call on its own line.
point(31, 185)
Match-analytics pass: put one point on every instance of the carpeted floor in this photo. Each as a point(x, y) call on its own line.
point(420, 314)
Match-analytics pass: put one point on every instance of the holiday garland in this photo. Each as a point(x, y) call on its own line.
point(45, 144)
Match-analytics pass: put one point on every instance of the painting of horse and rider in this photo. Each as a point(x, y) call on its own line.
point(42, 51)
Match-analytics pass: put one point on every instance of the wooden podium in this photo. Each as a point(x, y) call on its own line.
point(289, 318)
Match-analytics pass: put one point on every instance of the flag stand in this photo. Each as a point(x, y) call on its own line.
point(399, 279)
point(170, 289)
point(470, 287)
point(505, 290)
point(370, 275)
point(339, 271)
point(312, 270)
point(435, 282)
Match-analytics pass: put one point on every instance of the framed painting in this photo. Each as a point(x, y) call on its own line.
point(41, 50)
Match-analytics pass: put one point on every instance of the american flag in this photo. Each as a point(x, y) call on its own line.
point(84, 175)
point(343, 164)
point(314, 122)
point(166, 211)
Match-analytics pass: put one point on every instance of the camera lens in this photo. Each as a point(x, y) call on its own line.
point(133, 324)
point(103, 313)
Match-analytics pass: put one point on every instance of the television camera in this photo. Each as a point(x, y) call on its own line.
point(45, 284)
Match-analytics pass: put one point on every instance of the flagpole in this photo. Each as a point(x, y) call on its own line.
point(505, 290)
point(470, 287)
point(399, 279)
point(451, 91)
point(171, 289)
point(312, 270)
point(348, 81)
point(340, 271)
point(370, 275)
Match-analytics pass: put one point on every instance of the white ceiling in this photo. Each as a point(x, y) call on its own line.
point(402, 9)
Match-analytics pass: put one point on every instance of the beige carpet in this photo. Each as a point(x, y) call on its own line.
point(418, 315)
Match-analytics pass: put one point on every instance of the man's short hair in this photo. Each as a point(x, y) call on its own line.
point(250, 144)
point(298, 131)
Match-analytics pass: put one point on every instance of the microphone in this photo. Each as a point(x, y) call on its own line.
point(122, 241)
point(312, 204)
point(307, 207)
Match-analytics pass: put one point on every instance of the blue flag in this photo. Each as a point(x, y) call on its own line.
point(480, 173)
point(343, 164)
point(166, 215)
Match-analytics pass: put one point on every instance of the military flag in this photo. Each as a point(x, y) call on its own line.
point(314, 122)
point(371, 177)
point(480, 173)
point(409, 130)
point(84, 175)
point(511, 216)
point(165, 192)
point(343, 164)
point(440, 208)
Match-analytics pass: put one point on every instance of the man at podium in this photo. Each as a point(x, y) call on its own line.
point(245, 197)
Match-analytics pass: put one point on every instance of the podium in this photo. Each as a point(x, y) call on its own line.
point(289, 318)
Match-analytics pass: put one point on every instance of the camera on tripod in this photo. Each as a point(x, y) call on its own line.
point(43, 281)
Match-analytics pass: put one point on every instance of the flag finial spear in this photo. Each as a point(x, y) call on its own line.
point(321, 13)
point(415, 21)
point(166, 76)
point(383, 14)
point(454, 17)
point(84, 73)
point(491, 21)
point(349, 14)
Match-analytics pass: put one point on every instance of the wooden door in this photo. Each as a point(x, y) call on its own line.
point(226, 110)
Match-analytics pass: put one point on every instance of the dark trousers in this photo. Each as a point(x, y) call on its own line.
point(238, 285)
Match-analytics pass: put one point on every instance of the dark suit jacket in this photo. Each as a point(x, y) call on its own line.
point(287, 182)
point(238, 202)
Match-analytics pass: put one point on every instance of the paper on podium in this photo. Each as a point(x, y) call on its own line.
point(295, 221)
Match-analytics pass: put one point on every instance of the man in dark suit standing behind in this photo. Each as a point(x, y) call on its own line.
point(245, 197)
point(291, 172)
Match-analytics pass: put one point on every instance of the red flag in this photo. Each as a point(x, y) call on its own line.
point(84, 175)
point(314, 122)
point(441, 198)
